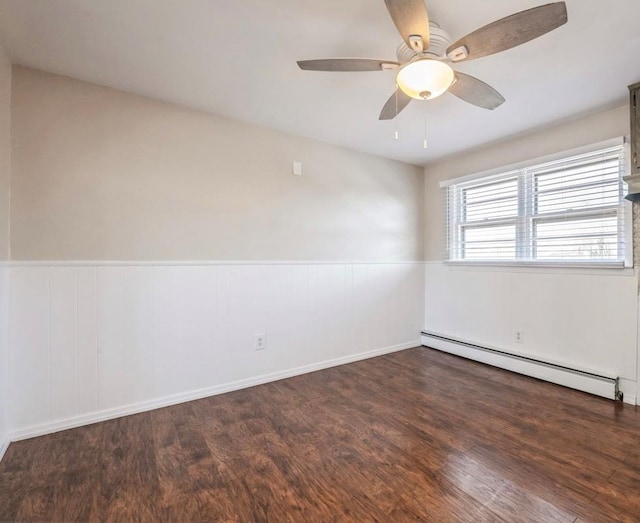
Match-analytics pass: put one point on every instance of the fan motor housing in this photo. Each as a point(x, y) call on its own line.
point(438, 42)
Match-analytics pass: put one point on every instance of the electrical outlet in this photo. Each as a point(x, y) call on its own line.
point(519, 336)
point(261, 341)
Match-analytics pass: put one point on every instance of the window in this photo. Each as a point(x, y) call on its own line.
point(570, 210)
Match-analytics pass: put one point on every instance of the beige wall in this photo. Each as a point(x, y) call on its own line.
point(5, 152)
point(569, 135)
point(100, 174)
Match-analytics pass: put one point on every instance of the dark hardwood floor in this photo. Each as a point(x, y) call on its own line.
point(413, 436)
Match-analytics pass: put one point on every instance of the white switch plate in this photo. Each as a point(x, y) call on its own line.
point(297, 168)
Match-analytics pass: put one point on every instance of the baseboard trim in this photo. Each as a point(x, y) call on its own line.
point(166, 401)
point(4, 445)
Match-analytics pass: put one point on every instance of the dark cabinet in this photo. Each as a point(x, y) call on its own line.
point(634, 91)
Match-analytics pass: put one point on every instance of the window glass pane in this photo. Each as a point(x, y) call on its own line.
point(490, 201)
point(578, 198)
point(496, 242)
point(593, 238)
point(600, 171)
point(593, 183)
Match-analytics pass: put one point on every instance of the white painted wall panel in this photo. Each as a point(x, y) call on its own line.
point(113, 386)
point(193, 300)
point(91, 341)
point(361, 302)
point(87, 335)
point(388, 301)
point(64, 341)
point(289, 316)
point(29, 350)
point(333, 313)
point(249, 299)
point(4, 356)
point(166, 360)
point(138, 331)
point(586, 319)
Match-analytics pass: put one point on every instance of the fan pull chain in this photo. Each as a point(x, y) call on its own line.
point(396, 117)
point(425, 124)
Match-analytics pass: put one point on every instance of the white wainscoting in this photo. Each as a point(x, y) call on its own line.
point(4, 348)
point(90, 342)
point(586, 319)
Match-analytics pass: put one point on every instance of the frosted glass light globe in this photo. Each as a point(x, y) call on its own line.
point(425, 79)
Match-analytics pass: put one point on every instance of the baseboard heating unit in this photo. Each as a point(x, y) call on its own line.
point(595, 383)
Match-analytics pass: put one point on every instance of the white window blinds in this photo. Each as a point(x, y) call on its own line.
point(570, 210)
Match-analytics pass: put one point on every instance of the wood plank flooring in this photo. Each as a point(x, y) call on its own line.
point(412, 436)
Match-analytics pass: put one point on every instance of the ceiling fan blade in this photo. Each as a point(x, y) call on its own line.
point(347, 64)
point(396, 103)
point(412, 20)
point(509, 32)
point(476, 92)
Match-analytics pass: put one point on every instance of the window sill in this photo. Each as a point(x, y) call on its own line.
point(611, 268)
point(567, 264)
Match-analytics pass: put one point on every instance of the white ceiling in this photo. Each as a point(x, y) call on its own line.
point(238, 58)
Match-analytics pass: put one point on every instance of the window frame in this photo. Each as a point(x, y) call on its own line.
point(526, 218)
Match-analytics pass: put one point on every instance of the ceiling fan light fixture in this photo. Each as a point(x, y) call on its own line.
point(425, 79)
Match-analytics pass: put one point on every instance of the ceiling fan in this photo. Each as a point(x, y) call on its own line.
point(424, 56)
